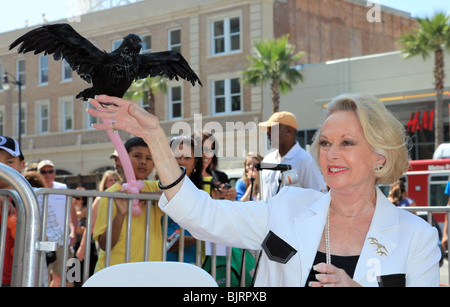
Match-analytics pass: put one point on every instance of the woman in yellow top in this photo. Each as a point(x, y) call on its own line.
point(142, 162)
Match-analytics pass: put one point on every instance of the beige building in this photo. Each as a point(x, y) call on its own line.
point(406, 86)
point(215, 36)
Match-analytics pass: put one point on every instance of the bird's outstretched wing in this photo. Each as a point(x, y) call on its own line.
point(170, 64)
point(62, 41)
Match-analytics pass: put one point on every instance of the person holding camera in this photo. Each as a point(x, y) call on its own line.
point(247, 187)
point(218, 181)
point(281, 129)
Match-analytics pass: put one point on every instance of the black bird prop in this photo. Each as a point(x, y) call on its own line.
point(110, 73)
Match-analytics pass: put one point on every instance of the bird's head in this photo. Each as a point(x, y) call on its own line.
point(132, 41)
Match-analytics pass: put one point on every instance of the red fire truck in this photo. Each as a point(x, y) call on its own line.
point(426, 181)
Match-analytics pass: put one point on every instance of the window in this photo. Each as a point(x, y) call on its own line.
point(437, 196)
point(91, 119)
point(66, 71)
point(143, 101)
point(175, 99)
point(43, 118)
point(226, 96)
point(146, 44)
point(67, 115)
point(175, 40)
point(226, 36)
point(305, 137)
point(43, 70)
point(21, 71)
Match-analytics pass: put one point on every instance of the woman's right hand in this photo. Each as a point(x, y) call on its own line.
point(130, 117)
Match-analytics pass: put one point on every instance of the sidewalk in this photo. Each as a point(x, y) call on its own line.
point(444, 274)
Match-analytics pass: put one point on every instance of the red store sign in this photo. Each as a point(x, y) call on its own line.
point(419, 123)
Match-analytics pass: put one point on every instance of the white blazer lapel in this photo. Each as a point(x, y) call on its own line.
point(378, 244)
point(309, 226)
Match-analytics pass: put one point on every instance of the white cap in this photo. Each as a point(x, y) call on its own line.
point(45, 163)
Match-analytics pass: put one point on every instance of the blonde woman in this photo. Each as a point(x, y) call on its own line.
point(247, 187)
point(109, 178)
point(350, 236)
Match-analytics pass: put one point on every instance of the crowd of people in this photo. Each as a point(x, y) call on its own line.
point(321, 235)
point(202, 170)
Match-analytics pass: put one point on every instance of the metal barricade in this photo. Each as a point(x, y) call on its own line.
point(29, 251)
point(91, 195)
point(27, 243)
point(32, 265)
point(430, 211)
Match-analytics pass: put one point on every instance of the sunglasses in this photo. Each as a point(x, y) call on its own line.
point(47, 172)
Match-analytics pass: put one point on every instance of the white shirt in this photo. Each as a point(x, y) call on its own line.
point(309, 175)
point(56, 214)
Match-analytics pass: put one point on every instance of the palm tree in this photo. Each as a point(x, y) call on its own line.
point(274, 62)
point(431, 36)
point(148, 85)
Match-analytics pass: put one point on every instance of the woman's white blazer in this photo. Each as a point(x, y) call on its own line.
point(400, 248)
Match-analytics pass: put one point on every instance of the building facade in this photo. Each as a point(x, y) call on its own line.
point(216, 37)
point(405, 86)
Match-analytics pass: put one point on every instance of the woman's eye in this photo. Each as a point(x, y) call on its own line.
point(348, 143)
point(323, 143)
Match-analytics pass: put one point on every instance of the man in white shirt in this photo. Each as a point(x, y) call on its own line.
point(56, 218)
point(281, 129)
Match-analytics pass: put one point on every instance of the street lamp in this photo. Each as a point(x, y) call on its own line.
point(6, 87)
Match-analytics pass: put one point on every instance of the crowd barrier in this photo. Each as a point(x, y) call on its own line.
point(28, 246)
point(429, 210)
point(29, 268)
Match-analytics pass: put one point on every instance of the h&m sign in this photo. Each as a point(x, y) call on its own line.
point(420, 121)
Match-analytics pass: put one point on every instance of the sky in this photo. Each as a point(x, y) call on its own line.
point(14, 14)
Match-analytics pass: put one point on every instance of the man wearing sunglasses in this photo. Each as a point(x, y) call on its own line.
point(47, 169)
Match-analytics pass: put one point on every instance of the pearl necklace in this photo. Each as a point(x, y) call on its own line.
point(327, 239)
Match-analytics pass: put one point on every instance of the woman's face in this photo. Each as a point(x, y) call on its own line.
point(346, 158)
point(185, 157)
point(207, 153)
point(110, 180)
point(250, 170)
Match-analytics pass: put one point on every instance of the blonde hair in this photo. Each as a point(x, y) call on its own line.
point(250, 156)
point(101, 185)
point(384, 133)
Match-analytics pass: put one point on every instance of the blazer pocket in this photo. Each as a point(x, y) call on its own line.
point(277, 249)
point(392, 280)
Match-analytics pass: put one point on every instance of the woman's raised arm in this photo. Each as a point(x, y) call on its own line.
point(132, 118)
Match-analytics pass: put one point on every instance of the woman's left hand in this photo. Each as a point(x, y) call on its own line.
point(331, 276)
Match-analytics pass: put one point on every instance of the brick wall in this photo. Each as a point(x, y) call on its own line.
point(335, 29)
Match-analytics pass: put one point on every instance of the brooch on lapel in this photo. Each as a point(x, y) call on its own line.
point(380, 249)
